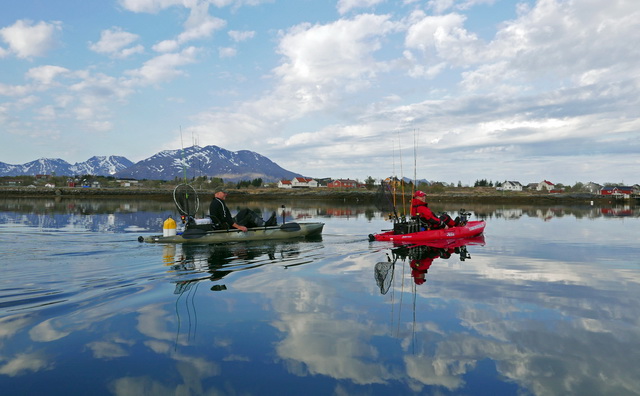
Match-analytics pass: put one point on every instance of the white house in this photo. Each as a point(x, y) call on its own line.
point(592, 187)
point(510, 186)
point(303, 182)
point(545, 185)
point(284, 184)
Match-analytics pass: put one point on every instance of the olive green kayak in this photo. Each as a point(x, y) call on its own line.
point(283, 231)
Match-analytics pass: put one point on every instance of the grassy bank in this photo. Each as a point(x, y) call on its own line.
point(480, 195)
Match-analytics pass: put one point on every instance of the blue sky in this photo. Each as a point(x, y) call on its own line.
point(477, 89)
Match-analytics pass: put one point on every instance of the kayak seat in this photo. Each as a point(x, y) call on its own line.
point(273, 220)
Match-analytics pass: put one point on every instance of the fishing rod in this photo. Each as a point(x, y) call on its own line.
point(394, 178)
point(415, 165)
point(404, 206)
point(184, 166)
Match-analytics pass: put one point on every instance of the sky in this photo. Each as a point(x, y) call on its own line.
point(443, 90)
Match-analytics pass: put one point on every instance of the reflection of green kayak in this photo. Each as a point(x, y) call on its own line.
point(284, 231)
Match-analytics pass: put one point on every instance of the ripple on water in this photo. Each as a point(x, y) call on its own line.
point(66, 268)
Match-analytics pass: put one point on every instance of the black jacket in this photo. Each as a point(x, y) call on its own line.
point(220, 214)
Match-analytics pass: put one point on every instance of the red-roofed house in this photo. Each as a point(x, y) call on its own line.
point(343, 183)
point(624, 192)
point(304, 182)
point(298, 182)
point(545, 185)
point(284, 184)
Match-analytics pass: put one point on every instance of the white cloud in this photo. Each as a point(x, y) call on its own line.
point(345, 6)
point(45, 74)
point(227, 52)
point(27, 40)
point(342, 50)
point(100, 87)
point(46, 113)
point(442, 38)
point(200, 24)
point(321, 64)
point(203, 29)
point(150, 6)
point(440, 6)
point(117, 43)
point(163, 67)
point(166, 46)
point(99, 126)
point(14, 90)
point(239, 36)
point(554, 41)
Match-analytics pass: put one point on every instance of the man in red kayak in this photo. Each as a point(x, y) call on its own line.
point(420, 208)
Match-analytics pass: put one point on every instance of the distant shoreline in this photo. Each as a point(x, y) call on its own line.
point(482, 195)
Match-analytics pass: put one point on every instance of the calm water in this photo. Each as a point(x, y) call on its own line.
point(548, 305)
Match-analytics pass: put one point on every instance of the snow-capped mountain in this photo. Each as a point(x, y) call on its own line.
point(98, 166)
point(210, 161)
point(102, 166)
point(42, 166)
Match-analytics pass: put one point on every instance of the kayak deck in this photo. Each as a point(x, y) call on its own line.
point(284, 231)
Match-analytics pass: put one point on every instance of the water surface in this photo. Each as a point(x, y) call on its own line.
point(547, 304)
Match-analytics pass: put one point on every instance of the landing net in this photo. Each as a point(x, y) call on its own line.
point(186, 199)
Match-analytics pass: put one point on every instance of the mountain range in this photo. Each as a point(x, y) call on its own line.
point(98, 166)
point(210, 161)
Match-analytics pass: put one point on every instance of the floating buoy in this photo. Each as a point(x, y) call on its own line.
point(169, 227)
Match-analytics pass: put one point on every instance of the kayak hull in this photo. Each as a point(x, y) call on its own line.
point(471, 229)
point(280, 232)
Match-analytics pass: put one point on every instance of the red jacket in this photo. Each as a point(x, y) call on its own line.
point(419, 269)
point(419, 208)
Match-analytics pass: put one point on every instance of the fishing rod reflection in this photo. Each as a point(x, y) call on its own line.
point(421, 257)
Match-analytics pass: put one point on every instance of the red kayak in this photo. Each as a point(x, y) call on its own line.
point(470, 229)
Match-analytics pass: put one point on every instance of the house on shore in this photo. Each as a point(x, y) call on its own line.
point(545, 185)
point(285, 184)
point(303, 182)
point(620, 192)
point(298, 182)
point(510, 186)
point(593, 188)
point(344, 183)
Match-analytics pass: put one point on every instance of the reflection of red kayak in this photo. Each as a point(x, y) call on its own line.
point(445, 243)
point(471, 229)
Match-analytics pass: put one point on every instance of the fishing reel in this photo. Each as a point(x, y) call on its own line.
point(463, 217)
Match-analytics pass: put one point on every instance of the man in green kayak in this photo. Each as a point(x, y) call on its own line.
point(220, 213)
point(222, 219)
